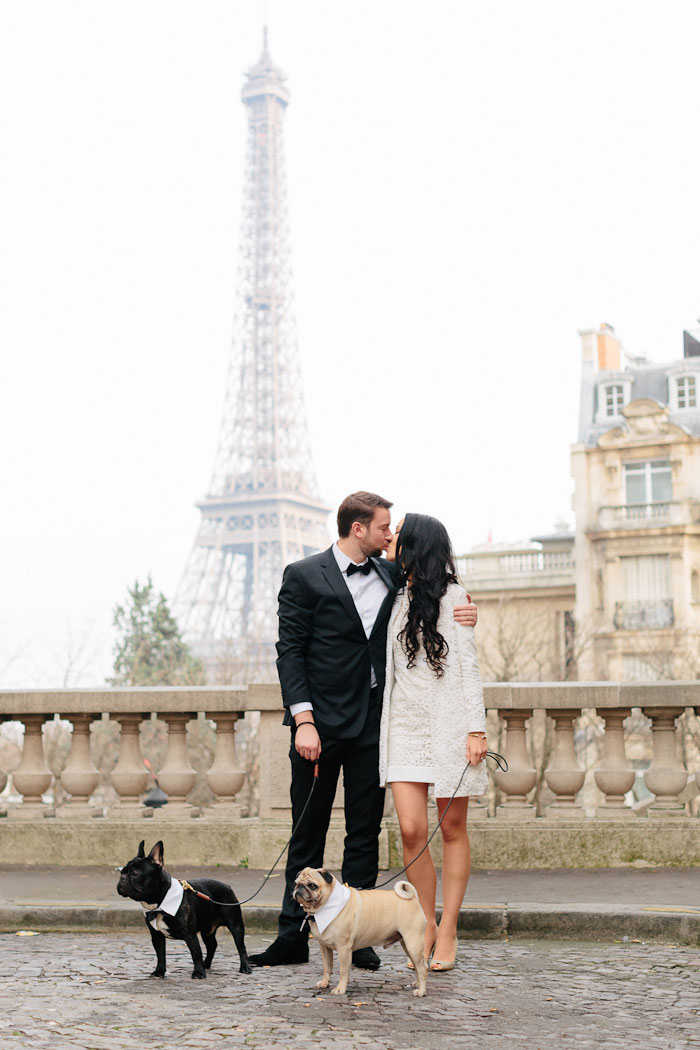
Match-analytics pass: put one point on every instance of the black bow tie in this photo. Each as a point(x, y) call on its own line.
point(364, 569)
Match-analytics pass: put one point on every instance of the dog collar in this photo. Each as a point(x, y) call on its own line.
point(170, 903)
point(172, 899)
point(340, 895)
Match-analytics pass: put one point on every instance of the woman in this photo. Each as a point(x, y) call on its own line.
point(433, 721)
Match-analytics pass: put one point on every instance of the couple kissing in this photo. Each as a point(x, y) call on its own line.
point(379, 675)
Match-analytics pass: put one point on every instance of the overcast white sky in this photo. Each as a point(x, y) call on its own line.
point(469, 183)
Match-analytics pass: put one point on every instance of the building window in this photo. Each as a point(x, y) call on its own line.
point(686, 392)
point(646, 668)
point(648, 482)
point(612, 394)
point(614, 399)
point(646, 593)
point(646, 578)
point(695, 587)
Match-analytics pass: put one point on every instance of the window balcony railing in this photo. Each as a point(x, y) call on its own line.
point(645, 511)
point(635, 514)
point(640, 616)
point(646, 515)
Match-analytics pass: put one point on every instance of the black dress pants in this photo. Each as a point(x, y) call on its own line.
point(364, 806)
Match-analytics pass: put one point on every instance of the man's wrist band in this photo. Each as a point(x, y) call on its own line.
point(306, 722)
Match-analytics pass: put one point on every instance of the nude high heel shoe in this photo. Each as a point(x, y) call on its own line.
point(443, 965)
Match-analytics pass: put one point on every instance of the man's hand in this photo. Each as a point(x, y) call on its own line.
point(307, 741)
point(466, 614)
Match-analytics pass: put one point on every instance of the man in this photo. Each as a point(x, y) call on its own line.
point(333, 614)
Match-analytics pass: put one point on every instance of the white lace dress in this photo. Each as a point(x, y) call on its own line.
point(426, 719)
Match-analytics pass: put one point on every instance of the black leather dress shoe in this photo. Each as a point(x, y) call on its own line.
point(366, 959)
point(283, 952)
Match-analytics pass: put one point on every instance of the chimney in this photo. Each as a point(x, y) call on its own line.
point(587, 345)
point(609, 347)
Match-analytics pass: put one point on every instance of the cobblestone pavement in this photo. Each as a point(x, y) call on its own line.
point(92, 991)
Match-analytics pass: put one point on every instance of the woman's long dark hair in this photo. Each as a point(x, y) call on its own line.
point(424, 558)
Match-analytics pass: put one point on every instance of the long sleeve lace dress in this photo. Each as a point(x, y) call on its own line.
point(426, 719)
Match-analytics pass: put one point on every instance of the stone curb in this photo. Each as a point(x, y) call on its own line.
point(488, 922)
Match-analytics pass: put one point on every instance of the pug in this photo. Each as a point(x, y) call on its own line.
point(346, 919)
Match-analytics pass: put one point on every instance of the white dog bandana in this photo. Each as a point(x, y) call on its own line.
point(170, 903)
point(340, 895)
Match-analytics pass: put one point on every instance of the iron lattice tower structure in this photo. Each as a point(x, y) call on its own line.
point(262, 510)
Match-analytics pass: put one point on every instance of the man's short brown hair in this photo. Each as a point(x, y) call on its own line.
point(359, 506)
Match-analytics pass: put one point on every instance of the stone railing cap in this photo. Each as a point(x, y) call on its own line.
point(265, 696)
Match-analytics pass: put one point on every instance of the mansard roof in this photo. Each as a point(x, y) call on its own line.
point(650, 382)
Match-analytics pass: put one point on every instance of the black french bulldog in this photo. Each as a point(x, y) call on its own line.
point(144, 879)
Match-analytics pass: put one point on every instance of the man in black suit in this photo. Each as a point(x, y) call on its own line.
point(334, 610)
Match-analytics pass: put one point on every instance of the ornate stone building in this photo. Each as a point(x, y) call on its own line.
point(636, 468)
point(526, 594)
point(620, 598)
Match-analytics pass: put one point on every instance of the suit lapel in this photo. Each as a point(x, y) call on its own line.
point(385, 572)
point(334, 576)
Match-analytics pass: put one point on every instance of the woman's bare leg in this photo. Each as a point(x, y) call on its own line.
point(411, 802)
point(455, 873)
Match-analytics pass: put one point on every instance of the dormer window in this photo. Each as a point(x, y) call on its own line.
point(614, 399)
point(613, 394)
point(686, 392)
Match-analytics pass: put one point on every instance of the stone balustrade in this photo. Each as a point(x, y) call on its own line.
point(662, 703)
point(641, 515)
point(129, 777)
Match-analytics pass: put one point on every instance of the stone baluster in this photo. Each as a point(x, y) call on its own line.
point(521, 777)
point(224, 776)
point(32, 776)
point(4, 777)
point(79, 777)
point(176, 776)
point(614, 776)
point(666, 776)
point(478, 809)
point(563, 775)
point(129, 777)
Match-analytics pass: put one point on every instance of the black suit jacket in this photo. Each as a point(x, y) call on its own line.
point(323, 653)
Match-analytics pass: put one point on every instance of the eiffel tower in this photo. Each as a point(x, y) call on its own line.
point(262, 509)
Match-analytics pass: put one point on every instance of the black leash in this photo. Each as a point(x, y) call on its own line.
point(498, 759)
point(238, 904)
point(502, 765)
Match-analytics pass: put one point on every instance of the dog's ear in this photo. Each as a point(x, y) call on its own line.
point(156, 854)
point(327, 875)
point(141, 854)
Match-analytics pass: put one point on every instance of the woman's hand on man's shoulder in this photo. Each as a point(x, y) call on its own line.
point(466, 615)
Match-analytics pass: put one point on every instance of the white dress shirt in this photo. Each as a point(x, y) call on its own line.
point(368, 592)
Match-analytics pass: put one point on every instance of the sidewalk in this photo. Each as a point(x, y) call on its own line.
point(610, 904)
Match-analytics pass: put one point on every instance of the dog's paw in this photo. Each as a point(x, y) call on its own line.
point(323, 983)
point(419, 991)
point(158, 973)
point(246, 968)
point(337, 990)
point(199, 975)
